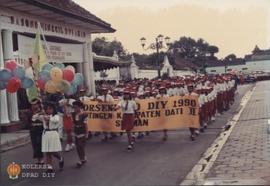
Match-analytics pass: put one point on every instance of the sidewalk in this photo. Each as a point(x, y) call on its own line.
point(245, 157)
point(13, 140)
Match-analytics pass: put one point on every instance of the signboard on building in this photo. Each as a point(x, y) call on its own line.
point(55, 52)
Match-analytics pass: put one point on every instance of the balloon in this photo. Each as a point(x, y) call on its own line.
point(50, 87)
point(3, 85)
point(68, 75)
point(47, 67)
point(60, 65)
point(56, 74)
point(27, 83)
point(10, 64)
point(44, 75)
point(63, 86)
point(13, 85)
point(78, 79)
point(19, 72)
point(41, 84)
point(72, 90)
point(71, 68)
point(5, 74)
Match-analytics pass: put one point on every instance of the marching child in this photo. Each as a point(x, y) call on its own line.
point(80, 131)
point(51, 144)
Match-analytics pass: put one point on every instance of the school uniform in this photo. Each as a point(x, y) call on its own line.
point(50, 138)
point(36, 130)
point(128, 108)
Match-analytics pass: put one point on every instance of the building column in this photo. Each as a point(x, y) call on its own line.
point(92, 89)
point(8, 54)
point(3, 93)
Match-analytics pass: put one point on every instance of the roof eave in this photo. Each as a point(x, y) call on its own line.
point(105, 27)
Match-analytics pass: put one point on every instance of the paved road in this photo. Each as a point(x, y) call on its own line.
point(152, 163)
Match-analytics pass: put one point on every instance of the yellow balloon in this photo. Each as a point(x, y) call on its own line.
point(50, 87)
point(56, 74)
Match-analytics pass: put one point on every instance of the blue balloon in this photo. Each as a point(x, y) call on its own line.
point(47, 67)
point(60, 65)
point(19, 72)
point(5, 74)
point(27, 83)
point(3, 85)
point(44, 75)
point(72, 90)
point(78, 79)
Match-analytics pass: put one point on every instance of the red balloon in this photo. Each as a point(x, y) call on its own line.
point(10, 64)
point(41, 84)
point(68, 75)
point(13, 85)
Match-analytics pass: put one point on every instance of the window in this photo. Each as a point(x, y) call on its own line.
point(26, 23)
point(66, 31)
point(49, 27)
point(12, 20)
point(52, 28)
point(213, 70)
point(36, 24)
point(31, 24)
point(244, 68)
point(22, 22)
point(17, 21)
point(229, 69)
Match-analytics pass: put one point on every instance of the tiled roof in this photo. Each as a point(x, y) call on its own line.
point(70, 8)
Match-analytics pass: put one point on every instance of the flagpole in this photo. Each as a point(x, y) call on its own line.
point(46, 44)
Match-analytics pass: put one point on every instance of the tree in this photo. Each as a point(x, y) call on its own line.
point(230, 57)
point(106, 48)
point(212, 50)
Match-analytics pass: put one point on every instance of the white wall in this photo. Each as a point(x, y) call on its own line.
point(250, 66)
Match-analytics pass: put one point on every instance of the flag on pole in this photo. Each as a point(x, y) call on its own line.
point(38, 59)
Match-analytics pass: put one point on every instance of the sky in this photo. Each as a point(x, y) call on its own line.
point(235, 26)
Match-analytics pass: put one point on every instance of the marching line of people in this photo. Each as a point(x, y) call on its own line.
point(61, 113)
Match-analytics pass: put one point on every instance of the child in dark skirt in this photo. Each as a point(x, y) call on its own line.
point(80, 131)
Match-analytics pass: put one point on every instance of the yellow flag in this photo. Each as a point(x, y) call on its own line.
point(39, 59)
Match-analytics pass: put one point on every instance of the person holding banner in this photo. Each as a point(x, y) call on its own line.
point(80, 131)
point(163, 94)
point(128, 107)
point(191, 91)
point(105, 97)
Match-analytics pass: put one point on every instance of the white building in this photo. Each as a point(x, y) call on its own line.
point(67, 28)
point(259, 60)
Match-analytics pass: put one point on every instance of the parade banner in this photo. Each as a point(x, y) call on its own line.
point(152, 114)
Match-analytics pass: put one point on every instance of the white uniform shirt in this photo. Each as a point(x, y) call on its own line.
point(107, 98)
point(53, 122)
point(128, 106)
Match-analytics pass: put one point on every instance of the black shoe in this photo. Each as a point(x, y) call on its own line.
point(165, 138)
point(130, 147)
point(61, 163)
point(202, 130)
point(192, 138)
point(79, 164)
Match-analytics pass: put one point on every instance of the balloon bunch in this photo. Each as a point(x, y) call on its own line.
point(58, 78)
point(13, 77)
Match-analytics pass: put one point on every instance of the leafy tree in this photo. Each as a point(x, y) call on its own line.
point(106, 48)
point(230, 57)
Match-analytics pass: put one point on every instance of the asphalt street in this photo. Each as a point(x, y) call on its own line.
point(153, 162)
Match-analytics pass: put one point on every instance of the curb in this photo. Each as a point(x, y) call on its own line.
point(198, 173)
point(12, 144)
